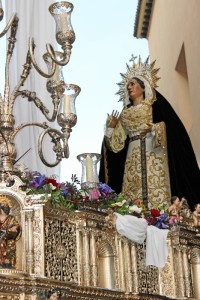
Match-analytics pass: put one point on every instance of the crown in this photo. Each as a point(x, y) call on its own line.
point(5, 199)
point(145, 72)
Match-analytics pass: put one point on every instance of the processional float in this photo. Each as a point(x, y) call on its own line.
point(72, 254)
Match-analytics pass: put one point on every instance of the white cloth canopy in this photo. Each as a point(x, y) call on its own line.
point(136, 230)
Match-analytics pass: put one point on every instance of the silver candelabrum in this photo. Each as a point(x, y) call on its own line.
point(63, 95)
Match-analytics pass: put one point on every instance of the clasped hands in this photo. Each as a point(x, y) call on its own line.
point(115, 119)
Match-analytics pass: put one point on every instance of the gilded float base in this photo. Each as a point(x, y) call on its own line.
point(80, 255)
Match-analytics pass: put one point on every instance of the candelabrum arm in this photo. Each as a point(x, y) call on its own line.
point(56, 137)
point(10, 48)
point(67, 53)
point(10, 22)
point(18, 128)
point(31, 96)
point(31, 50)
point(60, 151)
point(23, 77)
point(11, 45)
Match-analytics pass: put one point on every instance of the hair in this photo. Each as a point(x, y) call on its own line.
point(196, 205)
point(173, 198)
point(5, 207)
point(50, 293)
point(141, 83)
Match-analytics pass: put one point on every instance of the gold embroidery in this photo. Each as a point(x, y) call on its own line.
point(136, 118)
point(117, 140)
point(160, 136)
point(133, 121)
point(157, 176)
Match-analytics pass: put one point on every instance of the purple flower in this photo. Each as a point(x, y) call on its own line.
point(161, 221)
point(65, 192)
point(104, 188)
point(38, 181)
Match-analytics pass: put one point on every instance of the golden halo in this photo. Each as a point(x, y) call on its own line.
point(5, 199)
point(145, 72)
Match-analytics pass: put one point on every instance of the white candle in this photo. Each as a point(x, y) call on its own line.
point(66, 104)
point(56, 74)
point(89, 169)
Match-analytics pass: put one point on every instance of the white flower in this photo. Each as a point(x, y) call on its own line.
point(123, 202)
point(53, 187)
point(135, 208)
point(149, 205)
point(119, 203)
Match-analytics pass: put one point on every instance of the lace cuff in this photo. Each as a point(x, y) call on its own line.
point(115, 137)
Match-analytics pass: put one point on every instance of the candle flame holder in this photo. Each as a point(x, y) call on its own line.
point(89, 161)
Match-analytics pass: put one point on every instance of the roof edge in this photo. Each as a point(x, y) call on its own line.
point(142, 18)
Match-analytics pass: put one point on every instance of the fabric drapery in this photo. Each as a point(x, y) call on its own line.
point(34, 21)
point(137, 230)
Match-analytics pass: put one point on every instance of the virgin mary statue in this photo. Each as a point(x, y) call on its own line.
point(146, 152)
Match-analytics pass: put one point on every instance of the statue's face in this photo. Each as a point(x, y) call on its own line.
point(5, 207)
point(177, 201)
point(198, 208)
point(134, 89)
point(54, 296)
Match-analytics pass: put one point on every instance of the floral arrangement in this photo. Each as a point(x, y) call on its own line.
point(158, 217)
point(72, 196)
point(67, 194)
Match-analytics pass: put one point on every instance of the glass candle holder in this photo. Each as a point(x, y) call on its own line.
point(61, 12)
point(67, 110)
point(56, 82)
point(89, 161)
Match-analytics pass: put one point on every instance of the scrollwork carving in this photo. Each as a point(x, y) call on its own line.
point(60, 265)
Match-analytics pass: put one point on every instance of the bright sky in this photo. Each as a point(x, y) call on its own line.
point(104, 44)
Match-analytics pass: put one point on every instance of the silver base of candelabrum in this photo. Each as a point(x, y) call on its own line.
point(89, 178)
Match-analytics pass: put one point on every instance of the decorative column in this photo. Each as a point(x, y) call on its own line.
point(127, 261)
point(187, 273)
point(86, 258)
point(121, 265)
point(167, 284)
point(195, 262)
point(34, 238)
point(134, 267)
point(38, 240)
point(79, 246)
point(29, 239)
point(93, 259)
point(179, 274)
